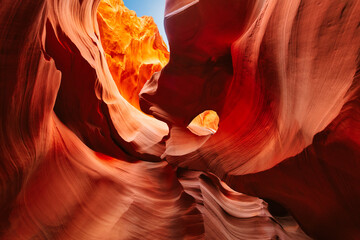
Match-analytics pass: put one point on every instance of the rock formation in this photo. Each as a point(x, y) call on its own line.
point(248, 130)
point(133, 47)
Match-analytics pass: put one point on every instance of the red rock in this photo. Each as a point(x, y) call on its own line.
point(80, 161)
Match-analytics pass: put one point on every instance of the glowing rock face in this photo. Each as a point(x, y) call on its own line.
point(205, 123)
point(133, 47)
point(78, 161)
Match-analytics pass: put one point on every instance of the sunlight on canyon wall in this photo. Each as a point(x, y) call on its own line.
point(133, 47)
point(248, 128)
point(134, 51)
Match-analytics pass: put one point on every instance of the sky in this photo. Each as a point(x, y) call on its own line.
point(154, 8)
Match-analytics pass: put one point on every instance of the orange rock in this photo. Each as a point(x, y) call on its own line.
point(205, 123)
point(133, 46)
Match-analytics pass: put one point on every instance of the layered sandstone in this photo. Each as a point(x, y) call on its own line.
point(79, 160)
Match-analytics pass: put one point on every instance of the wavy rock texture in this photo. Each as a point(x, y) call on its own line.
point(79, 160)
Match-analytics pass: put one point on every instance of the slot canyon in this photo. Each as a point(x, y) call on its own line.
point(245, 125)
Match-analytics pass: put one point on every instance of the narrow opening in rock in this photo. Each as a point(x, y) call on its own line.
point(205, 123)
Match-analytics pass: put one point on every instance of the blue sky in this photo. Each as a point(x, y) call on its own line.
point(154, 8)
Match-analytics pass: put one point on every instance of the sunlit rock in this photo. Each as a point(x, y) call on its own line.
point(133, 47)
point(205, 123)
point(277, 157)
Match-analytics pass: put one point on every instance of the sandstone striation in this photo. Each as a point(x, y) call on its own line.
point(249, 130)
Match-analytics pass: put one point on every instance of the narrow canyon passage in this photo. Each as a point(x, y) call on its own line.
point(246, 125)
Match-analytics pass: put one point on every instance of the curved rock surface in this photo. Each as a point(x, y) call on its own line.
point(278, 73)
point(79, 160)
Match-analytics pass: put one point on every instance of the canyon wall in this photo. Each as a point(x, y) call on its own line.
point(102, 138)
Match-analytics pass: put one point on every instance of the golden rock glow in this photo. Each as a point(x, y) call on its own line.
point(134, 51)
point(205, 123)
point(133, 46)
